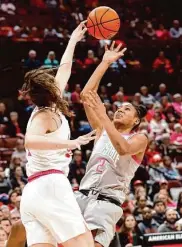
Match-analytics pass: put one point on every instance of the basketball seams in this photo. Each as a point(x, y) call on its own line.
point(108, 28)
point(103, 15)
point(98, 24)
point(103, 22)
point(93, 25)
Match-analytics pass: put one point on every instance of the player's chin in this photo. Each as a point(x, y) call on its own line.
point(118, 120)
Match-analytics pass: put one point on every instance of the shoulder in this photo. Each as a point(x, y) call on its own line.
point(139, 137)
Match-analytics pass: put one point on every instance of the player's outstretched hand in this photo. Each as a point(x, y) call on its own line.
point(85, 139)
point(79, 32)
point(112, 54)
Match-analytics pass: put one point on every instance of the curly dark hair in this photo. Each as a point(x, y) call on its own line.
point(40, 85)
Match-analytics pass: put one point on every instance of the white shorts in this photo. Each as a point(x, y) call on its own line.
point(101, 216)
point(49, 211)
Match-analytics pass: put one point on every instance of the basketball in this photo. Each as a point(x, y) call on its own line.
point(103, 23)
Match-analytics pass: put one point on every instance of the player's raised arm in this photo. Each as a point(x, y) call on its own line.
point(111, 55)
point(64, 71)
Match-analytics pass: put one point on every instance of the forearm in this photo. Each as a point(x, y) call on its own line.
point(119, 142)
point(68, 54)
point(96, 77)
point(38, 142)
point(64, 71)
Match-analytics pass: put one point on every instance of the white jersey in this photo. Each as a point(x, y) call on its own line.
point(107, 171)
point(43, 160)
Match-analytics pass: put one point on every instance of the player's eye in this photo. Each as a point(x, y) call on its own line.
point(127, 109)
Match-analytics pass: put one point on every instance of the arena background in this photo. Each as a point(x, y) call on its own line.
point(35, 33)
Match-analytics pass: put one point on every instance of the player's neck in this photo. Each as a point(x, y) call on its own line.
point(122, 129)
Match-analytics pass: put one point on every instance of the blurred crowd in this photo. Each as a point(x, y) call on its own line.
point(154, 203)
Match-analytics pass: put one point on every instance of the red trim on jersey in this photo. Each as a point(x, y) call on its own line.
point(43, 173)
point(136, 159)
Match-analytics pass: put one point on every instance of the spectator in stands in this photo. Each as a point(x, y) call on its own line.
point(104, 94)
point(141, 203)
point(67, 94)
point(75, 96)
point(118, 102)
point(162, 93)
point(165, 103)
point(77, 168)
point(160, 209)
point(169, 224)
point(12, 200)
point(137, 99)
point(110, 115)
point(158, 126)
point(3, 237)
point(129, 232)
point(6, 225)
point(91, 59)
point(148, 225)
point(134, 32)
point(13, 126)
point(164, 196)
point(51, 3)
point(163, 64)
point(155, 170)
point(177, 104)
point(77, 15)
point(20, 151)
point(3, 116)
point(50, 33)
point(132, 62)
point(165, 147)
point(15, 162)
point(170, 172)
point(17, 205)
point(5, 186)
point(51, 60)
point(162, 33)
point(8, 7)
point(32, 62)
point(146, 98)
point(5, 211)
point(14, 217)
point(18, 179)
point(149, 32)
point(176, 136)
point(176, 30)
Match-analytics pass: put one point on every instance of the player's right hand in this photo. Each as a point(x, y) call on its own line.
point(79, 32)
point(85, 139)
point(113, 54)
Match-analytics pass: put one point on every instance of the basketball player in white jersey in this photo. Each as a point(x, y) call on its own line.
point(49, 210)
point(116, 156)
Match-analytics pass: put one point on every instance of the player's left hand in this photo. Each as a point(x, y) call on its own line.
point(93, 100)
point(79, 32)
point(113, 53)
